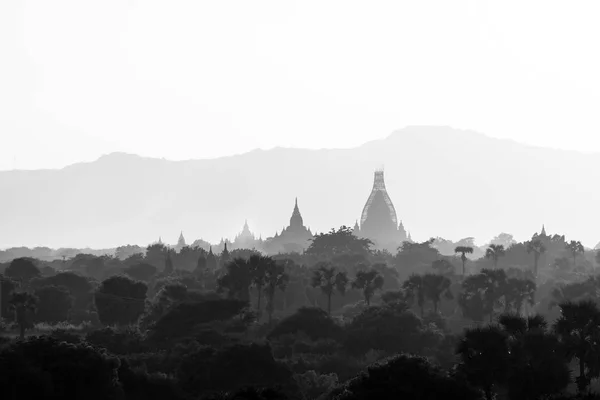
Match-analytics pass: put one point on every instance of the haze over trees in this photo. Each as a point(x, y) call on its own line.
point(518, 321)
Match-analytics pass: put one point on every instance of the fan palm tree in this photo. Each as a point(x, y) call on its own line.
point(536, 247)
point(257, 265)
point(275, 278)
point(575, 247)
point(435, 287)
point(578, 329)
point(536, 367)
point(518, 292)
point(495, 251)
point(463, 250)
point(483, 352)
point(368, 282)
point(23, 304)
point(415, 290)
point(329, 280)
point(236, 280)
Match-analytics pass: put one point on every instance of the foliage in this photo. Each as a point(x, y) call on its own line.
point(314, 322)
point(482, 294)
point(79, 287)
point(483, 352)
point(329, 280)
point(231, 368)
point(117, 341)
point(463, 250)
point(494, 252)
point(184, 318)
point(141, 272)
point(368, 282)
point(237, 280)
point(120, 300)
point(44, 368)
point(24, 304)
point(391, 328)
point(335, 243)
point(312, 384)
point(403, 377)
point(54, 305)
point(22, 270)
point(578, 330)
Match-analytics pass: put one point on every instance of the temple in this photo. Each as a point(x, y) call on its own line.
point(295, 238)
point(379, 221)
point(246, 239)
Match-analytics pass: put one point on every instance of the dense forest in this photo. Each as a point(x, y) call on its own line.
point(520, 321)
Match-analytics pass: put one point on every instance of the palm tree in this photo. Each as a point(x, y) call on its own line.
point(168, 262)
point(463, 250)
point(515, 324)
point(329, 281)
point(575, 247)
point(275, 278)
point(236, 280)
point(536, 368)
point(578, 329)
point(22, 303)
point(369, 282)
point(495, 251)
point(536, 247)
point(257, 265)
point(415, 289)
point(518, 292)
point(437, 286)
point(483, 352)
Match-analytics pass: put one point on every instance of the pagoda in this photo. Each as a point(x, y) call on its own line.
point(379, 221)
point(294, 238)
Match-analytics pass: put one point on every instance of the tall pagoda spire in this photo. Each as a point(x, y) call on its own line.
point(543, 233)
point(296, 220)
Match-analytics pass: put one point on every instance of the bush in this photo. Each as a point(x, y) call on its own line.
point(126, 341)
point(138, 384)
point(63, 335)
point(313, 384)
point(314, 322)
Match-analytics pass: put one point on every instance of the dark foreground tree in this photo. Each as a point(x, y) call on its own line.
point(536, 366)
point(578, 329)
point(484, 358)
point(208, 370)
point(44, 368)
point(403, 377)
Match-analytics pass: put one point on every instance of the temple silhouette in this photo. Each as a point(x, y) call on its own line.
point(379, 221)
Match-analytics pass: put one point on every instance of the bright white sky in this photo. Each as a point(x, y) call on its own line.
point(194, 79)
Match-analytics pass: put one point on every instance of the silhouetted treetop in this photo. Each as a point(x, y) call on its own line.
point(339, 242)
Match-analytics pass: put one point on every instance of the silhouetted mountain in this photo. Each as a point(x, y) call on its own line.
point(443, 182)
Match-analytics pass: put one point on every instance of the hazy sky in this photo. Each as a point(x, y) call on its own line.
point(194, 79)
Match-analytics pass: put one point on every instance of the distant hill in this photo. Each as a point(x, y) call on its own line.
point(443, 182)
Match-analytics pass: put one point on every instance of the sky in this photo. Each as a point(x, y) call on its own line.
point(202, 79)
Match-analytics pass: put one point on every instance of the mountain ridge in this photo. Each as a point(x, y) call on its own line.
point(392, 135)
point(442, 181)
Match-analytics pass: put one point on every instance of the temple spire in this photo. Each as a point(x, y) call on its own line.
point(543, 233)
